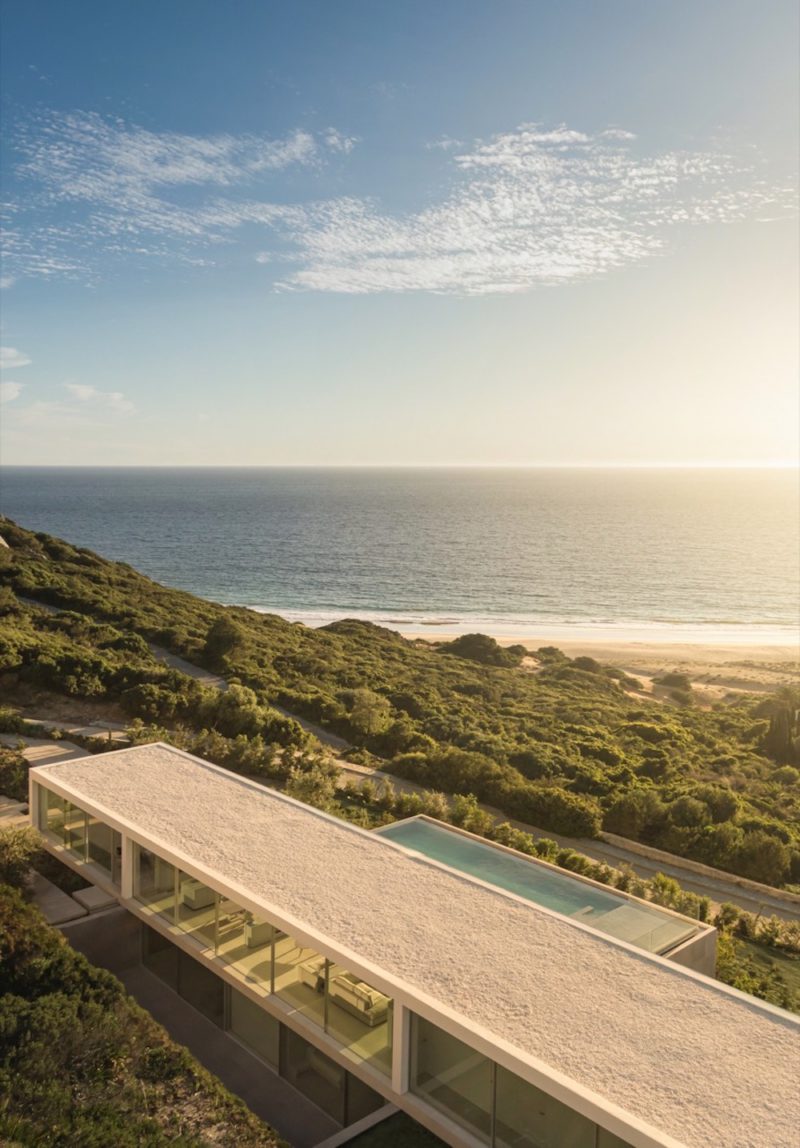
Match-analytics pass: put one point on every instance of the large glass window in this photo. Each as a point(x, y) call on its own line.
point(244, 941)
point(154, 882)
point(452, 1076)
point(255, 1028)
point(160, 956)
point(498, 1107)
point(300, 977)
point(201, 988)
point(52, 814)
point(104, 847)
point(75, 831)
point(197, 910)
point(361, 1099)
point(85, 836)
point(526, 1117)
point(359, 1017)
point(236, 936)
point(313, 1073)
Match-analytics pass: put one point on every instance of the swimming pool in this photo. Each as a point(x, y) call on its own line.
point(645, 926)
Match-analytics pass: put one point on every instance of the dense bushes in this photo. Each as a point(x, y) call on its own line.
point(81, 1064)
point(457, 771)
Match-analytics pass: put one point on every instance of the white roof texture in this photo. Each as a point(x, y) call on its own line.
point(695, 1061)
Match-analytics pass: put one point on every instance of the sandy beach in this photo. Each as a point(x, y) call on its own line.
point(715, 668)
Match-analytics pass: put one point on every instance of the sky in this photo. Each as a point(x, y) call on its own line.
point(469, 232)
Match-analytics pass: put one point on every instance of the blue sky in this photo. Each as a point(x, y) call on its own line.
point(417, 233)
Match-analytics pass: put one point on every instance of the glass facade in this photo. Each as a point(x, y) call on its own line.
point(499, 1108)
point(359, 1017)
point(452, 1077)
point(300, 975)
point(155, 883)
point(87, 838)
point(160, 956)
point(51, 815)
point(255, 1028)
point(524, 1115)
point(328, 1084)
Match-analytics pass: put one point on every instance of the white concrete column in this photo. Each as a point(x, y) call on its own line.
point(401, 1047)
point(126, 876)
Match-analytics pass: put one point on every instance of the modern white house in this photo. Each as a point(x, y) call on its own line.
point(497, 1000)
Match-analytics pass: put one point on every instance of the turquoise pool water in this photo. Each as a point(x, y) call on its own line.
point(642, 925)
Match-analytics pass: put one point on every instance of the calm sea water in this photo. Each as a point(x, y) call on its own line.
point(501, 550)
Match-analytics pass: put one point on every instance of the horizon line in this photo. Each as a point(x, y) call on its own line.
point(759, 465)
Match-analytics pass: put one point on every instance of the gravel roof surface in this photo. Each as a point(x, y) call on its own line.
point(691, 1059)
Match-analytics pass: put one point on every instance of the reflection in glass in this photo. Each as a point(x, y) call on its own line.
point(361, 1099)
point(201, 988)
point(526, 1117)
point(451, 1076)
point(75, 831)
point(255, 1028)
point(104, 847)
point(154, 882)
point(160, 956)
point(52, 812)
point(313, 1073)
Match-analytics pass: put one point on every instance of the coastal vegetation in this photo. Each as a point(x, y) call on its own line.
point(555, 742)
point(80, 1062)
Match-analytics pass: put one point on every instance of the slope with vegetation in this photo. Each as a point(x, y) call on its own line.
point(565, 748)
point(80, 1062)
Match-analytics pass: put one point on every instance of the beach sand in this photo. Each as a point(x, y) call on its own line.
point(715, 669)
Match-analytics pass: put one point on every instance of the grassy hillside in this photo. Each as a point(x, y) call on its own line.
point(82, 1065)
point(549, 740)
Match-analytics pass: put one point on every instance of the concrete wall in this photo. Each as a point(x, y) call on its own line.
point(699, 953)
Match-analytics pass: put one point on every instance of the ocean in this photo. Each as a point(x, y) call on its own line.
point(663, 553)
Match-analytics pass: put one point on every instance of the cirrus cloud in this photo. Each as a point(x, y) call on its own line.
point(538, 205)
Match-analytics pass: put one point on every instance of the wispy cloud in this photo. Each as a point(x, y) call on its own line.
point(443, 143)
point(110, 400)
point(6, 281)
point(528, 207)
point(82, 408)
point(12, 359)
point(335, 141)
point(541, 204)
point(10, 391)
point(100, 185)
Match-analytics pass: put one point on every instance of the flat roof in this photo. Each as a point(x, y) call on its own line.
point(686, 1055)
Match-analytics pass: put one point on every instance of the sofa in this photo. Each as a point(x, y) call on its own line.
point(349, 992)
